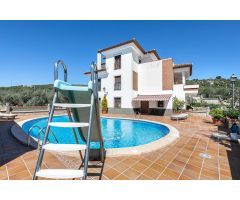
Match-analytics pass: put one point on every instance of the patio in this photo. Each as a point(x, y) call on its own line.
point(178, 161)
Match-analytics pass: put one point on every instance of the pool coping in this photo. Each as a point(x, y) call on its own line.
point(127, 151)
point(145, 148)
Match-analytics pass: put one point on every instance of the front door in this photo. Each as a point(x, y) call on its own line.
point(144, 107)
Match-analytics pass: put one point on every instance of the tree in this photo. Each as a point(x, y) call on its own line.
point(12, 99)
point(218, 77)
point(25, 96)
point(39, 99)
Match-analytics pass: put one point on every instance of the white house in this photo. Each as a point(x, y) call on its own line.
point(132, 77)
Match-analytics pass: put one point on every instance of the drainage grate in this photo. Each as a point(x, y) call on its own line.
point(205, 155)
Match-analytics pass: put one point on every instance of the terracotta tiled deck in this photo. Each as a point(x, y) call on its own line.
point(179, 160)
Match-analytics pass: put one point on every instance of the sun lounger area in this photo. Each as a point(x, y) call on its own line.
point(181, 116)
point(7, 116)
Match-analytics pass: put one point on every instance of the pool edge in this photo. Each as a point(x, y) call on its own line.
point(145, 148)
point(137, 150)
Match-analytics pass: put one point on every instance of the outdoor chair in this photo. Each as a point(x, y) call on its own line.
point(181, 116)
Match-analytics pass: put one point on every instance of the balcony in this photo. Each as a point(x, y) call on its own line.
point(191, 89)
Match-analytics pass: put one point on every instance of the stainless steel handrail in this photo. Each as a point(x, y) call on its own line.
point(56, 66)
point(55, 138)
point(29, 131)
point(41, 130)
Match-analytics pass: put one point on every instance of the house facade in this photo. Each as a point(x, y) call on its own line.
point(135, 79)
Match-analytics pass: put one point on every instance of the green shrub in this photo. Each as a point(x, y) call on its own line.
point(37, 101)
point(177, 104)
point(25, 96)
point(12, 99)
point(214, 106)
point(205, 104)
point(104, 103)
point(216, 113)
point(199, 104)
point(233, 114)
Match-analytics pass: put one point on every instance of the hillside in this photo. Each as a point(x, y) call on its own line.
point(40, 95)
point(36, 95)
point(218, 87)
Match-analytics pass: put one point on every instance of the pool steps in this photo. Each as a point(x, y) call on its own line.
point(68, 124)
point(70, 105)
point(60, 173)
point(64, 147)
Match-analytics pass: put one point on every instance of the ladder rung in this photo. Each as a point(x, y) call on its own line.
point(94, 174)
point(68, 124)
point(95, 166)
point(71, 105)
point(64, 147)
point(60, 173)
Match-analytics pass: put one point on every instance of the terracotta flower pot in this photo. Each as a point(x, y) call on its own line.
point(104, 111)
point(216, 121)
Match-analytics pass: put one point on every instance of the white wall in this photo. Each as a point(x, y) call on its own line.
point(126, 81)
point(178, 91)
point(150, 78)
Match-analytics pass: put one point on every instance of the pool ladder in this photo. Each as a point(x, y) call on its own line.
point(66, 173)
point(40, 130)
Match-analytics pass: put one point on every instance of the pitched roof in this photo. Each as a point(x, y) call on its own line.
point(177, 66)
point(155, 52)
point(128, 42)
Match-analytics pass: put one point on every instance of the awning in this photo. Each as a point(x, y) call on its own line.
point(161, 97)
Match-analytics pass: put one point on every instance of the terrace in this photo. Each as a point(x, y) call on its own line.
point(179, 160)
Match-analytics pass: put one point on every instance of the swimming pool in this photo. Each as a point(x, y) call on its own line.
point(117, 133)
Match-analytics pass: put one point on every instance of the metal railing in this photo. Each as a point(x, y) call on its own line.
point(41, 130)
point(56, 66)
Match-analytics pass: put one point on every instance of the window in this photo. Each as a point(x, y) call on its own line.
point(135, 81)
point(117, 64)
point(99, 84)
point(117, 83)
point(160, 104)
point(178, 78)
point(117, 102)
point(103, 65)
point(140, 60)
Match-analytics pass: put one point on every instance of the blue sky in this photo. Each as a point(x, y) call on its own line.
point(28, 49)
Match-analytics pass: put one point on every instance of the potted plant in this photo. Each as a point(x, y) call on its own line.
point(216, 114)
point(231, 116)
point(104, 105)
point(178, 105)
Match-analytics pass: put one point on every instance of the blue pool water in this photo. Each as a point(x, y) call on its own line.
point(117, 133)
